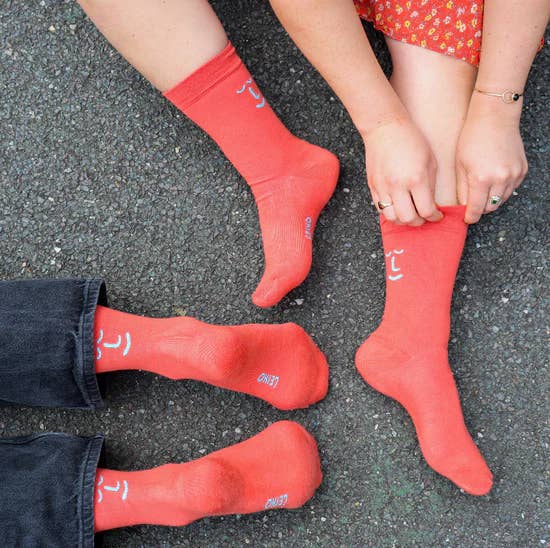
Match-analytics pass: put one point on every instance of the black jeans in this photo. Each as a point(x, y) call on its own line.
point(47, 359)
point(47, 342)
point(47, 484)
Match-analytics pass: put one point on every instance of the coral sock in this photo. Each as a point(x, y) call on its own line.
point(406, 357)
point(291, 179)
point(277, 468)
point(278, 363)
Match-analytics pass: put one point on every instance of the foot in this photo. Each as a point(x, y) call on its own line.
point(291, 179)
point(424, 385)
point(278, 363)
point(406, 357)
point(288, 207)
point(277, 468)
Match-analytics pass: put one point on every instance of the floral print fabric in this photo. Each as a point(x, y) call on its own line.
point(452, 27)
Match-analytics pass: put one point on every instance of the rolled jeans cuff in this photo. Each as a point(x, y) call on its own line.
point(47, 342)
point(48, 487)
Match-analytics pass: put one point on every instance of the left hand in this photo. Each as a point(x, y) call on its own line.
point(490, 158)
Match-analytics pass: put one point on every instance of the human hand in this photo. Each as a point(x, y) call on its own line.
point(401, 171)
point(490, 158)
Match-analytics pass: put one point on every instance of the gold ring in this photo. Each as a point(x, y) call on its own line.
point(383, 205)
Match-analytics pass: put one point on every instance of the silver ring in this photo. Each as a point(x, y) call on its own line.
point(383, 205)
point(495, 200)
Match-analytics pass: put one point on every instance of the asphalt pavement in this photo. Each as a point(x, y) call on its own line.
point(100, 176)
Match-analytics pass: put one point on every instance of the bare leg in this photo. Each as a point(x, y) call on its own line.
point(436, 91)
point(165, 41)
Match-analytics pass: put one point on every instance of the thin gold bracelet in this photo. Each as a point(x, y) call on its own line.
point(506, 96)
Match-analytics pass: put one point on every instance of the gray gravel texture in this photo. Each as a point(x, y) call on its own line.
point(100, 176)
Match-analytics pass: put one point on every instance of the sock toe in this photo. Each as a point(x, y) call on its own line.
point(361, 357)
point(266, 294)
point(303, 465)
point(273, 288)
point(321, 386)
point(476, 481)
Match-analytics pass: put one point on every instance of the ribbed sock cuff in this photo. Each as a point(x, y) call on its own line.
point(453, 221)
point(190, 90)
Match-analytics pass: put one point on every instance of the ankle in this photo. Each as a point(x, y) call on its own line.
point(186, 348)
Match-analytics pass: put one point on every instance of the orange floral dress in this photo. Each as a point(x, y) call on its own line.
point(452, 27)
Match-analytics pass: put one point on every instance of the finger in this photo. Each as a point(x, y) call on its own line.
point(389, 214)
point(461, 186)
point(496, 197)
point(382, 196)
point(521, 178)
point(477, 199)
point(389, 211)
point(508, 193)
point(375, 195)
point(425, 205)
point(375, 198)
point(405, 210)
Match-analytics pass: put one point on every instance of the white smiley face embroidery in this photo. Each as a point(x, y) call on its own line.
point(100, 486)
point(394, 272)
point(255, 94)
point(116, 344)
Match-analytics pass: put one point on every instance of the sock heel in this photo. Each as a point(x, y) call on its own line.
point(376, 359)
point(211, 489)
point(322, 168)
point(220, 354)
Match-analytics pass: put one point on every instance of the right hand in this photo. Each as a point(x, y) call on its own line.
point(401, 170)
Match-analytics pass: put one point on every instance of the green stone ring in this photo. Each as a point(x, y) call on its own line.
point(495, 200)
